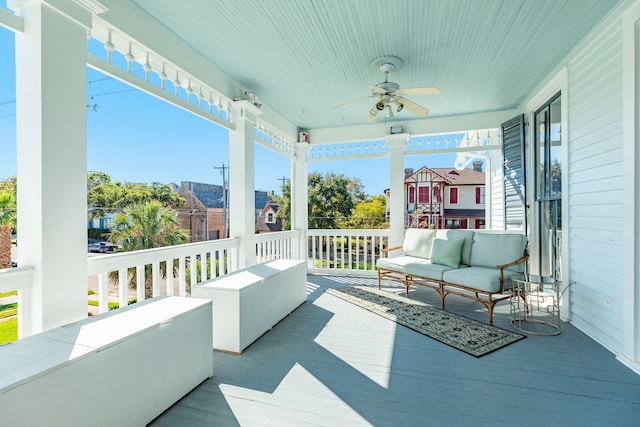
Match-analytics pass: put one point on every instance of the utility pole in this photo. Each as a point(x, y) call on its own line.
point(225, 217)
point(283, 179)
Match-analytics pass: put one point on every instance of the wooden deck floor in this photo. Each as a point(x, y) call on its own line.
point(331, 363)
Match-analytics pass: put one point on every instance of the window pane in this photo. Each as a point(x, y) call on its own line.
point(555, 150)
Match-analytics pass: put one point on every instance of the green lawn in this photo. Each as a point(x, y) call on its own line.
point(8, 294)
point(346, 265)
point(8, 330)
point(112, 305)
point(8, 310)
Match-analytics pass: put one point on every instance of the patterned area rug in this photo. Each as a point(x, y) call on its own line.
point(468, 335)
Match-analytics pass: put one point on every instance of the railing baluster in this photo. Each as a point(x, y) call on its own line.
point(140, 283)
point(169, 275)
point(103, 292)
point(155, 278)
point(193, 267)
point(182, 282)
point(123, 286)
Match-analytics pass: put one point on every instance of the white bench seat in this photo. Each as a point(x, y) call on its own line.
point(124, 367)
point(249, 302)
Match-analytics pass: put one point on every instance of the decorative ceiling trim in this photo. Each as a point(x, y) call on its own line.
point(92, 6)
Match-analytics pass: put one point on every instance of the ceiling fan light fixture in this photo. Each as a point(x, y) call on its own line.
point(398, 106)
point(387, 111)
point(373, 112)
point(380, 106)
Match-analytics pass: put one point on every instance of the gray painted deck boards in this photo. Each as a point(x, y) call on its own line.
point(332, 363)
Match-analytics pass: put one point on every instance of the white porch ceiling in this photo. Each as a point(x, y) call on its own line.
point(302, 57)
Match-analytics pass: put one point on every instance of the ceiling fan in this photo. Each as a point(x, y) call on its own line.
point(390, 96)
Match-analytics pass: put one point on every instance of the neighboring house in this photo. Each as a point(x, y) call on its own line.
point(104, 223)
point(444, 197)
point(204, 210)
point(268, 220)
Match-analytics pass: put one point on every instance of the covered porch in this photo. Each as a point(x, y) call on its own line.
point(321, 347)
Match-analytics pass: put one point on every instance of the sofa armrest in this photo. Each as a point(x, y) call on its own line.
point(385, 252)
point(520, 260)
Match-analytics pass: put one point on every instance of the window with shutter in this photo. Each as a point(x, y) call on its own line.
point(423, 194)
point(453, 195)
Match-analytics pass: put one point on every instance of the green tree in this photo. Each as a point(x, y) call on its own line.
point(104, 195)
point(370, 213)
point(331, 198)
point(147, 225)
point(7, 223)
point(284, 209)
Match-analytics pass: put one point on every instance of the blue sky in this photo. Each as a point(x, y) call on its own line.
point(135, 137)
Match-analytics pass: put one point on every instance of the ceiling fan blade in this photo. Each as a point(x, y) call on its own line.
point(430, 90)
point(416, 109)
point(351, 102)
point(377, 90)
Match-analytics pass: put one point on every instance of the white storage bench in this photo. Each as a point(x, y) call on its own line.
point(249, 302)
point(124, 367)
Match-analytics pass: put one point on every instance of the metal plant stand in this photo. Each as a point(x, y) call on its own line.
point(535, 304)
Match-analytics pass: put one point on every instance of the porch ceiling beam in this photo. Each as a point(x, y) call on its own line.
point(11, 21)
point(125, 77)
point(414, 127)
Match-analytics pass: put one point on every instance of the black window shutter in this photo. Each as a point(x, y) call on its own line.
point(513, 169)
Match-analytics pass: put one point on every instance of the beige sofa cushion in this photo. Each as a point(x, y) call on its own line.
point(418, 241)
point(399, 263)
point(492, 249)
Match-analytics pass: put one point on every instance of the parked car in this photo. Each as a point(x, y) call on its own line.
point(102, 247)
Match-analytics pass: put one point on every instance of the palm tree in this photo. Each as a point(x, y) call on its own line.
point(147, 225)
point(7, 222)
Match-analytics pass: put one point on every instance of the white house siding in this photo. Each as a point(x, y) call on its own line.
point(466, 198)
point(595, 197)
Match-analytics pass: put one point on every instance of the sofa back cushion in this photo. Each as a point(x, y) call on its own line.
point(467, 235)
point(418, 241)
point(491, 249)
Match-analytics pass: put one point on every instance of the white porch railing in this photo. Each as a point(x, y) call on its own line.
point(345, 251)
point(193, 263)
point(212, 259)
point(16, 279)
point(328, 251)
point(278, 245)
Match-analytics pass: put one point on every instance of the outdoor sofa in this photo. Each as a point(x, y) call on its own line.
point(475, 264)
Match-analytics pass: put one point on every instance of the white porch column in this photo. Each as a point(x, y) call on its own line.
point(396, 198)
point(242, 202)
point(51, 166)
point(300, 197)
